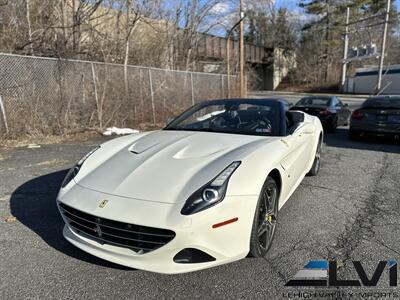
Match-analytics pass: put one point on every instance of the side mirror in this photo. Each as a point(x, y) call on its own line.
point(169, 121)
point(307, 128)
point(346, 105)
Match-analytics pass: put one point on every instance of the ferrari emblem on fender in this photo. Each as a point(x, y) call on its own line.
point(103, 203)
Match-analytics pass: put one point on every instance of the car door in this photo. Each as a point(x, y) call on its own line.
point(296, 160)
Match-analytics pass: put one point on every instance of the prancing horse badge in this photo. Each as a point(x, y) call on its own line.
point(103, 203)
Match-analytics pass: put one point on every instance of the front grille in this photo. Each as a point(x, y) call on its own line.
point(141, 239)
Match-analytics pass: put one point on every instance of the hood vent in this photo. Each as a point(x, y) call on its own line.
point(142, 146)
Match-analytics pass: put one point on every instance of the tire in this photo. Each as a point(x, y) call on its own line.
point(354, 135)
point(331, 128)
point(317, 160)
point(265, 219)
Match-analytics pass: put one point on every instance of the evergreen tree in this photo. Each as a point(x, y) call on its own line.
point(327, 20)
point(272, 30)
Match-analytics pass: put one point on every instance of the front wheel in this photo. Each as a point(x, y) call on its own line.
point(265, 219)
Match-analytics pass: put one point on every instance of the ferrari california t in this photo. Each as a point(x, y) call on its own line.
point(203, 191)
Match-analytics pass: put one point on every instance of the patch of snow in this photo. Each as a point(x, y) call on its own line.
point(33, 146)
point(119, 131)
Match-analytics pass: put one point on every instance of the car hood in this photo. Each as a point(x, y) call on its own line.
point(164, 166)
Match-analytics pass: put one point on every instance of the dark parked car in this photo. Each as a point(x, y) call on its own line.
point(379, 116)
point(330, 110)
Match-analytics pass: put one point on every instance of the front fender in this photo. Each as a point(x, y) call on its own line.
point(249, 178)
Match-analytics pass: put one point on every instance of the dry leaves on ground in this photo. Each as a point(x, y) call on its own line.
point(10, 219)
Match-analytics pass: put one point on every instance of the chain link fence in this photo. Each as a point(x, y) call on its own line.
point(42, 96)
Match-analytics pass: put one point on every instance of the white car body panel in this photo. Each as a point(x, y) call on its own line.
point(178, 163)
point(191, 231)
point(147, 178)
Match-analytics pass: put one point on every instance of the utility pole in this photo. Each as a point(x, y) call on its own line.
point(241, 58)
point(383, 48)
point(346, 49)
point(228, 55)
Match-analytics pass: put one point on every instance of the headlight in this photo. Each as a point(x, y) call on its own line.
point(210, 194)
point(74, 170)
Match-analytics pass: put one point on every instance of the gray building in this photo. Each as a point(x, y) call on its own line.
point(364, 80)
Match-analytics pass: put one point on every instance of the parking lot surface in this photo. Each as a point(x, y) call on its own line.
point(350, 211)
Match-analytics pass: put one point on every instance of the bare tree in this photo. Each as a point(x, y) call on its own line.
point(82, 11)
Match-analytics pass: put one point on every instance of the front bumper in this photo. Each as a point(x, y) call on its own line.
point(225, 244)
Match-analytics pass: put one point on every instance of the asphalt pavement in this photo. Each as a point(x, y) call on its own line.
point(350, 211)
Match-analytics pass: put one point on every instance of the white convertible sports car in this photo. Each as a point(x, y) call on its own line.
point(203, 191)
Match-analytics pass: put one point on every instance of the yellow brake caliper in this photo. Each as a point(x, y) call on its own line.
point(268, 218)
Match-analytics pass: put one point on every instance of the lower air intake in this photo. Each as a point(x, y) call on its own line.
point(141, 239)
point(192, 256)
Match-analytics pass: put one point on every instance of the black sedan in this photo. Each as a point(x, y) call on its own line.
point(378, 116)
point(329, 109)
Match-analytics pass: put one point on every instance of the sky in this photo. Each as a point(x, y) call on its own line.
point(228, 9)
point(292, 4)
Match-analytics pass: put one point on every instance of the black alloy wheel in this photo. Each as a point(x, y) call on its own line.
point(265, 219)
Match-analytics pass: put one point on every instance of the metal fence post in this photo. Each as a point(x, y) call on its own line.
point(164, 99)
point(152, 97)
point(141, 95)
point(228, 82)
point(3, 112)
point(222, 86)
point(191, 83)
point(99, 105)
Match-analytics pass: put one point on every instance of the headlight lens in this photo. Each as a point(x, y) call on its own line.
point(210, 194)
point(74, 170)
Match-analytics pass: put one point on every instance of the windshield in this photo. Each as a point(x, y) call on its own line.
point(383, 102)
point(253, 117)
point(314, 102)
